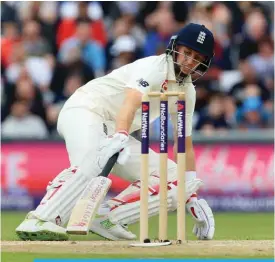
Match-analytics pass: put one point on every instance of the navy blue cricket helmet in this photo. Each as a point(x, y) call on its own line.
point(198, 38)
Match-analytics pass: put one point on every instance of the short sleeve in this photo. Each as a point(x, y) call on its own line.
point(145, 76)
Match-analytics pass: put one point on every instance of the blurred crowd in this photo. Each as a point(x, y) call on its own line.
point(49, 49)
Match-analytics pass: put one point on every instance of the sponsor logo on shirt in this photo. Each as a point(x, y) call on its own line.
point(142, 82)
point(164, 86)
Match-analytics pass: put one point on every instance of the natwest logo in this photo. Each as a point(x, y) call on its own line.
point(145, 107)
point(180, 106)
point(144, 124)
point(145, 120)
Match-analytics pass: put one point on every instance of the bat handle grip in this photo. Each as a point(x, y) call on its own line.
point(109, 166)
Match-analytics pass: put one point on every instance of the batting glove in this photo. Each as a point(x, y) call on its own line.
point(112, 145)
point(204, 227)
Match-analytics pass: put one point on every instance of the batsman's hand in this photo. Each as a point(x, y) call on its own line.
point(112, 145)
point(202, 214)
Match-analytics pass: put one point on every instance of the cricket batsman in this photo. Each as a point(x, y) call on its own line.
point(97, 121)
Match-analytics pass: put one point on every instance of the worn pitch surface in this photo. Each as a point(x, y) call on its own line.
point(249, 248)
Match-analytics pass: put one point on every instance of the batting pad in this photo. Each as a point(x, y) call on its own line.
point(59, 205)
point(129, 213)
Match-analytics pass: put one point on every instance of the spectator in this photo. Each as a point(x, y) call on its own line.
point(252, 114)
point(94, 12)
point(230, 111)
point(73, 11)
point(28, 10)
point(203, 94)
point(21, 124)
point(119, 28)
point(129, 10)
point(39, 69)
point(91, 38)
point(249, 77)
point(181, 13)
point(73, 65)
point(201, 12)
point(145, 10)
point(255, 28)
point(9, 38)
point(124, 51)
point(48, 17)
point(124, 26)
point(214, 116)
point(24, 90)
point(18, 58)
point(221, 20)
point(8, 12)
point(34, 43)
point(164, 27)
point(91, 52)
point(263, 62)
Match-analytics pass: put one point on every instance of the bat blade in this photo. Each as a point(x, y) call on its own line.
point(87, 205)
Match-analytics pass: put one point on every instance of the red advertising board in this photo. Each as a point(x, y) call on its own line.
point(223, 168)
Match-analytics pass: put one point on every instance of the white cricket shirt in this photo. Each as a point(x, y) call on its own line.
point(106, 94)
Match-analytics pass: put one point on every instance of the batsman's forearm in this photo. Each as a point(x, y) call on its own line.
point(128, 109)
point(190, 160)
point(125, 118)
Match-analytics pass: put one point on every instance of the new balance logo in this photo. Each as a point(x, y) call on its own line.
point(201, 37)
point(142, 82)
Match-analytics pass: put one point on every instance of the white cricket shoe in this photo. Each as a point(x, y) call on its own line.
point(104, 227)
point(35, 229)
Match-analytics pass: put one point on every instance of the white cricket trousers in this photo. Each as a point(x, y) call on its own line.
point(82, 130)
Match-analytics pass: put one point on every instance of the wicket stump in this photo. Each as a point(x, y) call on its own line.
point(163, 146)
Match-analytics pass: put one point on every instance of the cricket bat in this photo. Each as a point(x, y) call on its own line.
point(87, 205)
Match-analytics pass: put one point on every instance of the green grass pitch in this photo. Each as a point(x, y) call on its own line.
point(229, 226)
